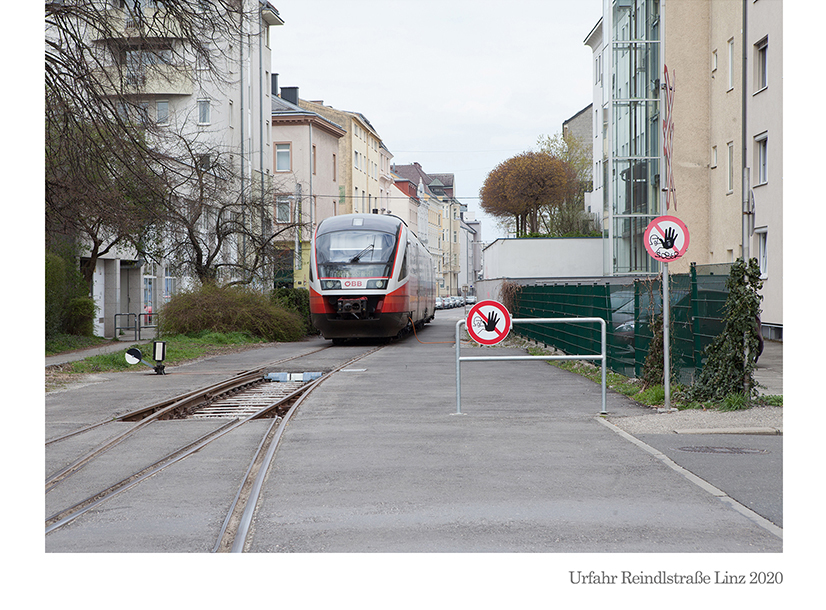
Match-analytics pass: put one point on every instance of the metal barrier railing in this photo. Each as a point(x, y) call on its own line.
point(603, 356)
point(145, 321)
point(136, 325)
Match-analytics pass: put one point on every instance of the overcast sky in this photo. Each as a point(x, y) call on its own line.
point(457, 85)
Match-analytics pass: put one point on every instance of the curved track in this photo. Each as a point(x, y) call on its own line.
point(253, 398)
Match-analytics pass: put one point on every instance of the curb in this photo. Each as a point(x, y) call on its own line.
point(761, 431)
point(700, 482)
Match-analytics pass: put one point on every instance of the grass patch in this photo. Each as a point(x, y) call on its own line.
point(654, 396)
point(179, 349)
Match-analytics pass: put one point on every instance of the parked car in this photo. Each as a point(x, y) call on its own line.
point(439, 303)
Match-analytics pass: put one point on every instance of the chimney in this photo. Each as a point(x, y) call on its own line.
point(290, 94)
point(275, 84)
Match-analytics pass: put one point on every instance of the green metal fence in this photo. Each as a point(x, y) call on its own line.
point(697, 311)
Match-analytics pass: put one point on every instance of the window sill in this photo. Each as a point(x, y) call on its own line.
point(760, 90)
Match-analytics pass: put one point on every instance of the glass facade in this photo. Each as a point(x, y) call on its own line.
point(632, 196)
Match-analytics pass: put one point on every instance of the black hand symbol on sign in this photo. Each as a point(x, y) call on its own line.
point(669, 238)
point(490, 325)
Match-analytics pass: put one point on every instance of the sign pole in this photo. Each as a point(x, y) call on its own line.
point(666, 239)
point(666, 342)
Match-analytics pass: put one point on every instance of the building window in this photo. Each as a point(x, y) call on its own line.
point(761, 160)
point(203, 112)
point(335, 168)
point(162, 112)
point(283, 161)
point(730, 168)
point(282, 209)
point(714, 60)
point(731, 64)
point(761, 66)
point(713, 157)
point(762, 236)
point(314, 168)
point(204, 163)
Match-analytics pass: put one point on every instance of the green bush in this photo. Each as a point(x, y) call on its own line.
point(63, 284)
point(229, 310)
point(296, 300)
point(55, 294)
point(80, 316)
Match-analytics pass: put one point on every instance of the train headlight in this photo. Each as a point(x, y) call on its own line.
point(332, 284)
point(377, 284)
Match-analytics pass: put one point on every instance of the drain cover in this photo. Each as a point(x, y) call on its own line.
point(728, 450)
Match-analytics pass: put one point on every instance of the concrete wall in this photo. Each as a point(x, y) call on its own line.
point(543, 257)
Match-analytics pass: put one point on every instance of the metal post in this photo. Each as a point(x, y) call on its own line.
point(603, 339)
point(458, 368)
point(666, 342)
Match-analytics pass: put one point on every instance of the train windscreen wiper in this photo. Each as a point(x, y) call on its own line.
point(356, 258)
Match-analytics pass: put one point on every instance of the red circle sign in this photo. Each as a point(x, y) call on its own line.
point(666, 238)
point(488, 322)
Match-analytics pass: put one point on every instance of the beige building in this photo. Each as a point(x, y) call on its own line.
point(727, 136)
point(305, 168)
point(363, 162)
point(442, 212)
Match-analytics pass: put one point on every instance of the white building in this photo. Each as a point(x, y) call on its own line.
point(230, 114)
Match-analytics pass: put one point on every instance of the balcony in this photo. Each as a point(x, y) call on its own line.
point(122, 24)
point(158, 79)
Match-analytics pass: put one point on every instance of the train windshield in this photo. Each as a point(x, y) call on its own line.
point(355, 254)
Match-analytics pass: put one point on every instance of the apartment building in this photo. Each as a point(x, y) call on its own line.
point(404, 203)
point(306, 185)
point(435, 215)
point(708, 68)
point(199, 109)
point(363, 161)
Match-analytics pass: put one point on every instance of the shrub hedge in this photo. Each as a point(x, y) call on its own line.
point(227, 310)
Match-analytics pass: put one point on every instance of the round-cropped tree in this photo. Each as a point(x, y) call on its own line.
point(530, 188)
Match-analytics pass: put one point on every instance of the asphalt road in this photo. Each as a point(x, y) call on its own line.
point(377, 461)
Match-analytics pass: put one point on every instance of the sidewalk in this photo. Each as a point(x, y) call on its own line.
point(769, 370)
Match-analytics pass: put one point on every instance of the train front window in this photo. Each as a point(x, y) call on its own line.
point(355, 254)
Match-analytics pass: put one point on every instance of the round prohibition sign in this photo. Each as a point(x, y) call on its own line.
point(488, 322)
point(666, 238)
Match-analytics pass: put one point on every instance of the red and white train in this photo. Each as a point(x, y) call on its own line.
point(370, 276)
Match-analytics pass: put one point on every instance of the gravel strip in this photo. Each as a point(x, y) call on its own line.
point(756, 418)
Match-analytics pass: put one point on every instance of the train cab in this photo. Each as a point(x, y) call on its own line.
point(370, 276)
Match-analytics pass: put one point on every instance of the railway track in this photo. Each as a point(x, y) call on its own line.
point(231, 403)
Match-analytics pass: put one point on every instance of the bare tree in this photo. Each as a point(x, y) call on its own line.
point(208, 228)
point(113, 177)
point(570, 216)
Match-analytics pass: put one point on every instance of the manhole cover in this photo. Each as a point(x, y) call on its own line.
point(729, 450)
